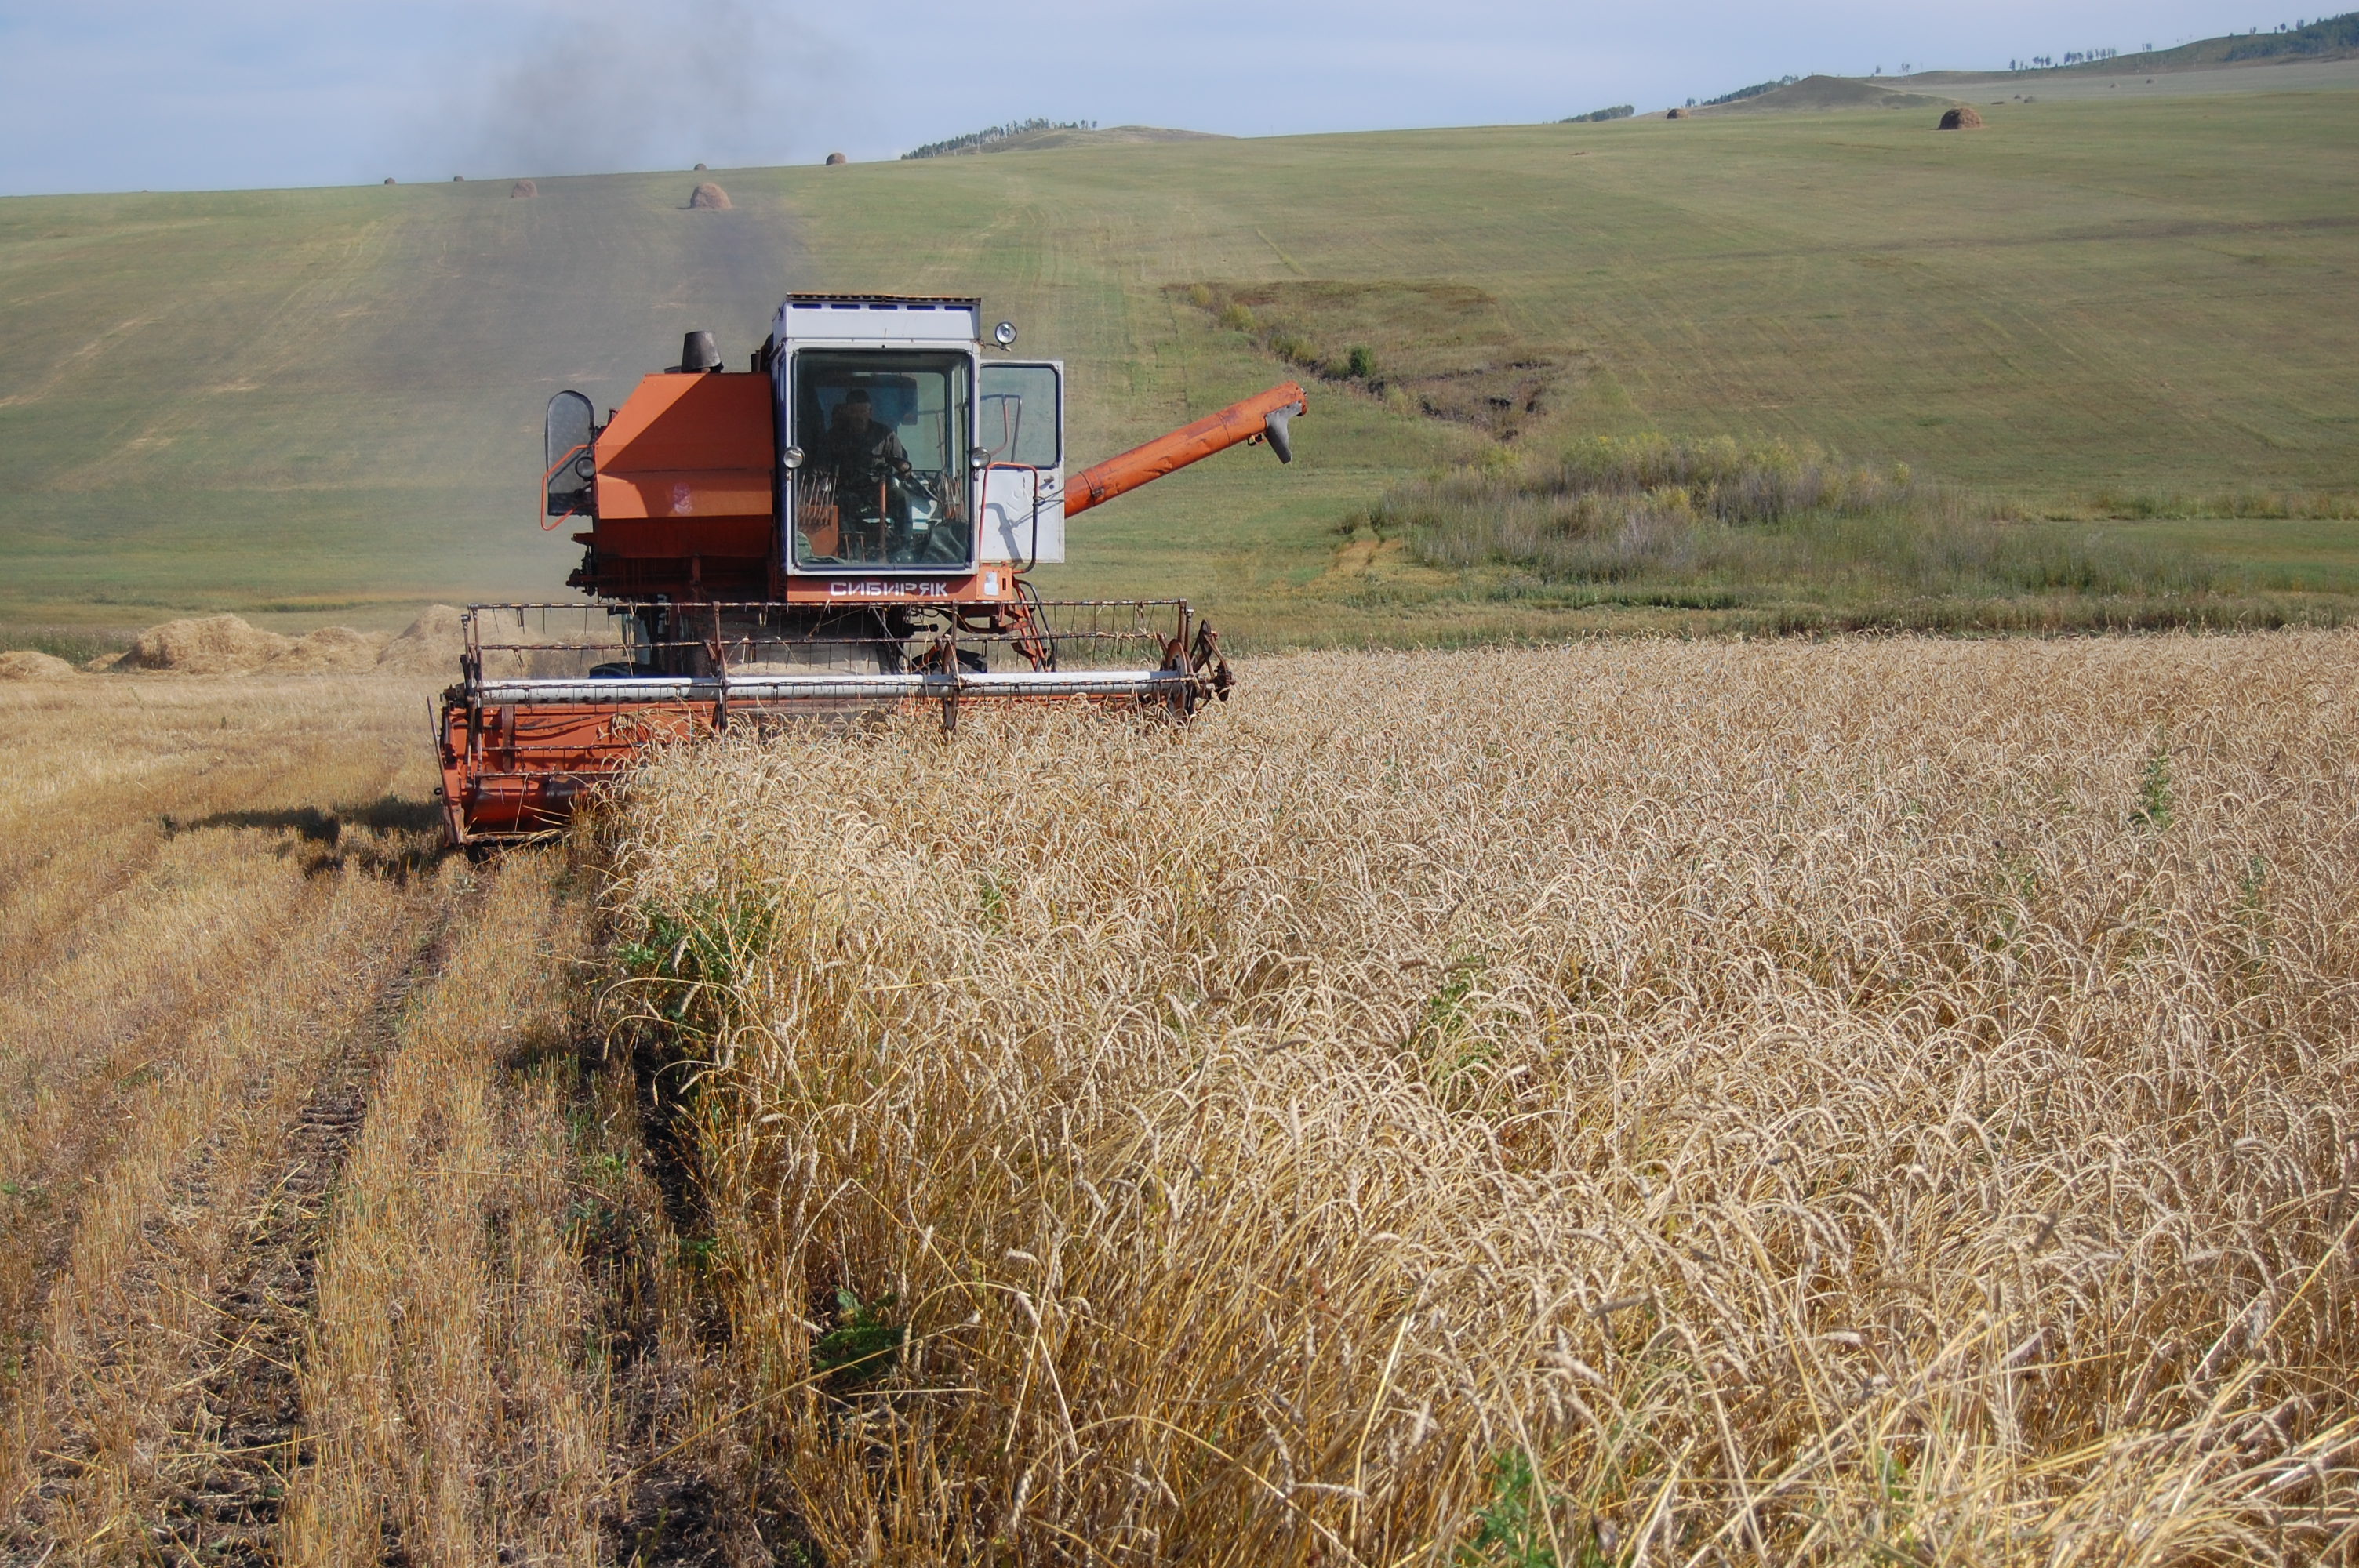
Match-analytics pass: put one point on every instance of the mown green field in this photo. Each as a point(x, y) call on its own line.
point(322, 404)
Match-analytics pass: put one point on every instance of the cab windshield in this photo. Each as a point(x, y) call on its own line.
point(883, 481)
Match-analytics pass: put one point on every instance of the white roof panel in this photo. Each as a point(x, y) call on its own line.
point(862, 317)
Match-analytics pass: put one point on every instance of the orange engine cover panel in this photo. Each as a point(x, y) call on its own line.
point(690, 447)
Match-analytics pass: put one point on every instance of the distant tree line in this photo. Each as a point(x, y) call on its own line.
point(2050, 62)
point(2332, 34)
point(997, 133)
point(2327, 36)
point(1619, 111)
point(1741, 94)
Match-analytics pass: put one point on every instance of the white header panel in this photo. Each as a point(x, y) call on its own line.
point(850, 319)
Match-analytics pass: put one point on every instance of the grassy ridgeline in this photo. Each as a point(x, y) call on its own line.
point(325, 404)
point(1715, 524)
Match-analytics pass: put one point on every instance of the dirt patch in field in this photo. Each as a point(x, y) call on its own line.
point(25, 663)
point(1961, 118)
point(1446, 350)
point(710, 197)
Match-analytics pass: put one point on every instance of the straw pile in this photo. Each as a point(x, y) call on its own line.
point(332, 650)
point(1961, 118)
point(228, 645)
point(26, 663)
point(212, 645)
point(430, 646)
point(1884, 1101)
point(709, 195)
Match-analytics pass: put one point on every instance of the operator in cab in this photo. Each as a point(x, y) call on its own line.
point(862, 455)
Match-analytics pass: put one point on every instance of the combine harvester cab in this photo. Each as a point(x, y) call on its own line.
point(845, 529)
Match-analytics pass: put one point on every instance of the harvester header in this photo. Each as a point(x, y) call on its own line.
point(848, 525)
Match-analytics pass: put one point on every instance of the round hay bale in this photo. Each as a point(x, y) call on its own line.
point(1961, 118)
point(711, 196)
point(26, 665)
point(523, 188)
point(390, 180)
point(835, 159)
point(431, 645)
point(700, 168)
point(215, 645)
point(330, 650)
point(458, 179)
point(1677, 114)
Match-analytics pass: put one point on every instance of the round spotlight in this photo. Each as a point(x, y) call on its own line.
point(1004, 334)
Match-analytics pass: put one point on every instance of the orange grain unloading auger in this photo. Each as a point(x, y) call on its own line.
point(847, 527)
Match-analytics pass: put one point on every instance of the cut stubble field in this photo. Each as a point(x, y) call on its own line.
point(1880, 1100)
point(296, 1151)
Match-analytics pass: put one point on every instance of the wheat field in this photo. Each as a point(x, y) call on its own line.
point(1878, 1100)
point(1872, 1101)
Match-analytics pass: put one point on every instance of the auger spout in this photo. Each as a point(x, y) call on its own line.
point(1260, 417)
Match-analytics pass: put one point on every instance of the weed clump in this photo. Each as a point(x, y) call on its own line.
point(1748, 521)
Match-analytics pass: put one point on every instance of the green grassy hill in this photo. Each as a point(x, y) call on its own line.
point(2329, 37)
point(1815, 94)
point(323, 405)
point(1056, 136)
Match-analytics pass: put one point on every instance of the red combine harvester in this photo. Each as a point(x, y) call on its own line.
point(845, 528)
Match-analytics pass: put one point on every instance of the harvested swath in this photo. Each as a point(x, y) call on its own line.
point(330, 650)
point(1964, 117)
point(523, 188)
point(209, 645)
point(835, 159)
point(710, 197)
point(27, 664)
point(227, 645)
point(429, 645)
point(1655, 1102)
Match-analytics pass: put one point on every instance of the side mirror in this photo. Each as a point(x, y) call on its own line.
point(791, 459)
point(977, 459)
point(569, 471)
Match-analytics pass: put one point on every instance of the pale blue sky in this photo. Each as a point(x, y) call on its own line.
point(132, 94)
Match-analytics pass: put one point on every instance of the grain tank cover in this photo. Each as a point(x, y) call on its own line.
point(878, 319)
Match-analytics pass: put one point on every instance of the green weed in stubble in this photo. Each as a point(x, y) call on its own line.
point(1514, 1528)
point(686, 963)
point(2153, 809)
point(863, 1346)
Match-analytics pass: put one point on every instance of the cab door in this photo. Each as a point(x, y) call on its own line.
point(1020, 415)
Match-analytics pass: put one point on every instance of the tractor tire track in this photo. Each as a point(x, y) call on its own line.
point(213, 1167)
point(243, 1418)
